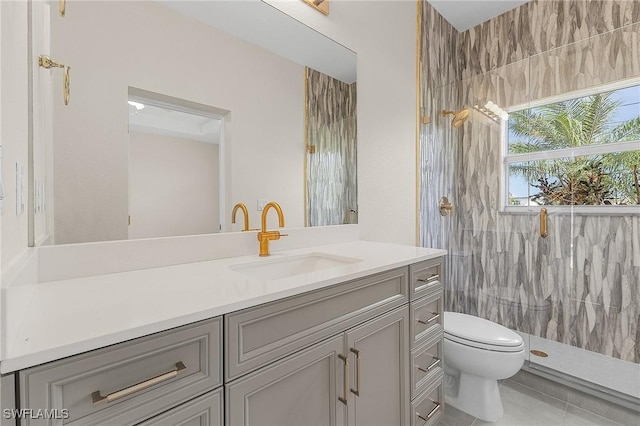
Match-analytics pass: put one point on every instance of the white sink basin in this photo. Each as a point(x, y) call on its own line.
point(283, 267)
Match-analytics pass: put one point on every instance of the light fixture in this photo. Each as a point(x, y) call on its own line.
point(493, 111)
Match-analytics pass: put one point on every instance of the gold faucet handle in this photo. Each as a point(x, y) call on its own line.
point(269, 235)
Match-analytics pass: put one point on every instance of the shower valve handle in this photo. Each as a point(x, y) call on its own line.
point(446, 208)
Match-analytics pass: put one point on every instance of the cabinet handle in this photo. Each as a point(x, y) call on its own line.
point(434, 277)
point(345, 389)
point(544, 231)
point(431, 413)
point(435, 362)
point(99, 399)
point(356, 391)
point(430, 320)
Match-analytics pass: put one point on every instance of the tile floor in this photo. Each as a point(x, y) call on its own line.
point(524, 406)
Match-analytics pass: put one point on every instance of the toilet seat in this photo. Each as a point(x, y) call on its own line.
point(480, 333)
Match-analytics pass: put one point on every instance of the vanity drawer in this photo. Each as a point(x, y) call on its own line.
point(425, 277)
point(259, 335)
point(128, 382)
point(426, 314)
point(428, 407)
point(205, 410)
point(426, 362)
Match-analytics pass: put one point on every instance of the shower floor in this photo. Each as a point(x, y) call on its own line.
point(605, 371)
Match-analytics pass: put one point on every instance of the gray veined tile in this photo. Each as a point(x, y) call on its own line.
point(541, 384)
point(602, 408)
point(454, 417)
point(526, 407)
point(578, 417)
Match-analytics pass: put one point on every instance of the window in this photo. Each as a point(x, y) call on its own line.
point(583, 151)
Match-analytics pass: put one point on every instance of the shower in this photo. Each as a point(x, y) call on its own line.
point(458, 117)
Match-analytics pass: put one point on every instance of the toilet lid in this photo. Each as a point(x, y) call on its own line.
point(481, 333)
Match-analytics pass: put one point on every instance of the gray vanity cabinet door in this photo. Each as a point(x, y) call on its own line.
point(380, 375)
point(300, 390)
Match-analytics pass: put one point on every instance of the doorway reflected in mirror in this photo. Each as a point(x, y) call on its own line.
point(174, 170)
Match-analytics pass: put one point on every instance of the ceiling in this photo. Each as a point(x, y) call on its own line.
point(262, 24)
point(465, 14)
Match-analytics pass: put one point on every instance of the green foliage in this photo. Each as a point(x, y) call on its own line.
point(587, 180)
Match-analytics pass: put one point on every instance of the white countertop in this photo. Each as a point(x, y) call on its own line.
point(52, 320)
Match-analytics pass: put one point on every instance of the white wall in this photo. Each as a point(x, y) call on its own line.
point(14, 125)
point(173, 186)
point(383, 33)
point(113, 45)
point(13, 137)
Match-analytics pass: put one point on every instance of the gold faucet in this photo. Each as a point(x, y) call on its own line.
point(242, 207)
point(265, 236)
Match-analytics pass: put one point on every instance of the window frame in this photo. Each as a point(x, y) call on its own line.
point(506, 159)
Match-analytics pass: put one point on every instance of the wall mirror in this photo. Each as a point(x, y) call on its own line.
point(174, 154)
point(237, 67)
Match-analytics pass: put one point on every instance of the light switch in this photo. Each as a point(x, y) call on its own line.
point(261, 203)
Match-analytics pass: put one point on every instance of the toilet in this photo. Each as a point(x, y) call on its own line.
point(478, 353)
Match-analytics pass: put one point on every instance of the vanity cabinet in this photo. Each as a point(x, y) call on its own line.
point(379, 376)
point(347, 379)
point(302, 389)
point(259, 335)
point(427, 340)
point(130, 382)
point(364, 352)
point(359, 377)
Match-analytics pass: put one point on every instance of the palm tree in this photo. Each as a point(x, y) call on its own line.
point(611, 178)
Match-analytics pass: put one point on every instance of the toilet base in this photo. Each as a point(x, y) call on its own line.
point(477, 396)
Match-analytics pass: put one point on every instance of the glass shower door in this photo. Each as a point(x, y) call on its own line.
point(330, 160)
point(584, 298)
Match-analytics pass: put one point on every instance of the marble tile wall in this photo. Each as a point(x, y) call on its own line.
point(539, 26)
point(440, 86)
point(581, 285)
point(331, 170)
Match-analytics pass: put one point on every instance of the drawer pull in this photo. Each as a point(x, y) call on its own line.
point(356, 391)
point(431, 413)
point(434, 277)
point(435, 362)
point(430, 320)
point(99, 399)
point(345, 389)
